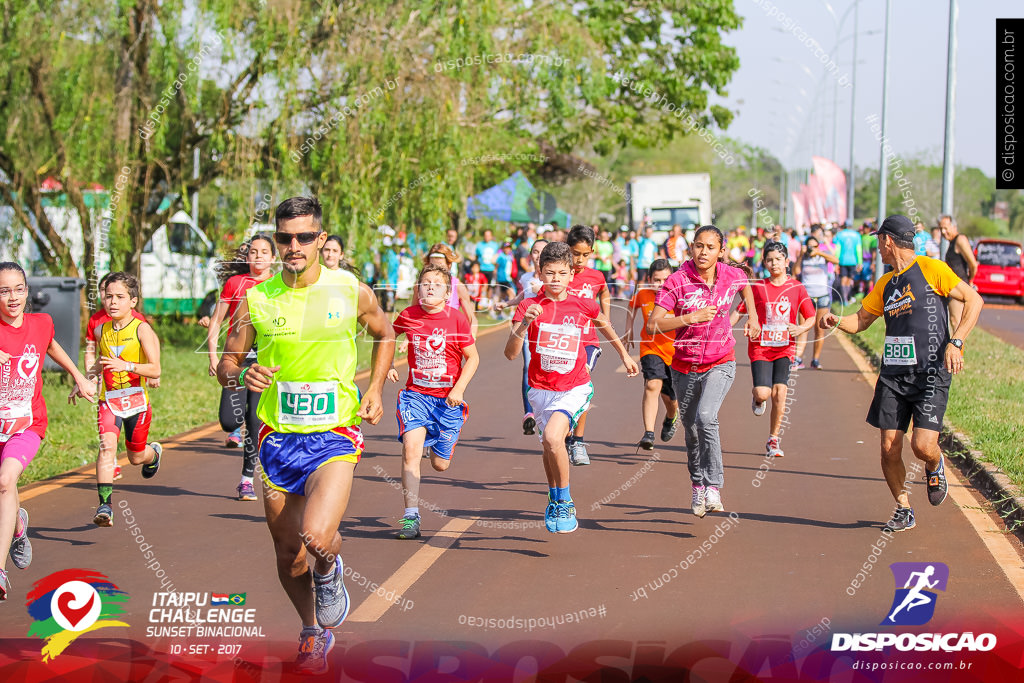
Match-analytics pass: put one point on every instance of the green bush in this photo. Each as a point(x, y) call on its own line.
point(979, 226)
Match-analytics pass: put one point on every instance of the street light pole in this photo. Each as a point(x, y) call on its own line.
point(882, 176)
point(853, 121)
point(948, 167)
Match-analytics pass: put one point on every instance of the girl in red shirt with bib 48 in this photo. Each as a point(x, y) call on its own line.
point(24, 338)
point(431, 409)
point(779, 300)
point(554, 324)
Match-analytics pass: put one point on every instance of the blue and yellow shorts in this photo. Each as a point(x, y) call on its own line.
point(289, 458)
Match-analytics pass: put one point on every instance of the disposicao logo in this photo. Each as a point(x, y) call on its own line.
point(69, 603)
point(913, 605)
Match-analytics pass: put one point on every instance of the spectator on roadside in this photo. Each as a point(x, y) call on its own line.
point(647, 250)
point(476, 283)
point(959, 257)
point(675, 246)
point(934, 245)
point(920, 239)
point(504, 274)
point(487, 255)
point(603, 254)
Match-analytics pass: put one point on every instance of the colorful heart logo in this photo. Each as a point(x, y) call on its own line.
point(72, 614)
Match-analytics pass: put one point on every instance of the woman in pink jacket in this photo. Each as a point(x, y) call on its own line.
point(694, 302)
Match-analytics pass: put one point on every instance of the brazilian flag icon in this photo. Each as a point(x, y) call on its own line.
point(237, 598)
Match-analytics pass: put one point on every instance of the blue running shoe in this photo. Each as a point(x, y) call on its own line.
point(331, 598)
point(566, 522)
point(551, 517)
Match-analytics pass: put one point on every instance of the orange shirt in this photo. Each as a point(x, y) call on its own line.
point(659, 344)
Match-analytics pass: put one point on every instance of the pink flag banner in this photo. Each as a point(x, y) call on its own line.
point(799, 209)
point(833, 186)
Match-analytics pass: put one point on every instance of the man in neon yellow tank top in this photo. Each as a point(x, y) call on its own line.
point(305, 321)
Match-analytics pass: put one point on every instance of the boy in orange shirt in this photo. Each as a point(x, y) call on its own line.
point(655, 357)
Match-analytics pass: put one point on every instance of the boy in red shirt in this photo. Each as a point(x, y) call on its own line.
point(431, 409)
point(587, 283)
point(778, 299)
point(554, 325)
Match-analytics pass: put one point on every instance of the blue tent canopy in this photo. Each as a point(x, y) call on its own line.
point(507, 201)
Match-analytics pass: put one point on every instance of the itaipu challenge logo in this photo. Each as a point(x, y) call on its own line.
point(70, 603)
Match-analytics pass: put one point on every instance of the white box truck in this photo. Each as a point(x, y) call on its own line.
point(177, 263)
point(664, 200)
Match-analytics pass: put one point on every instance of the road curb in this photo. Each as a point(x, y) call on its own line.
point(1006, 497)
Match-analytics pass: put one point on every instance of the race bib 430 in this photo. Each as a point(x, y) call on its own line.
point(307, 403)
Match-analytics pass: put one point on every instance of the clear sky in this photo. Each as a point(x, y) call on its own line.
point(766, 90)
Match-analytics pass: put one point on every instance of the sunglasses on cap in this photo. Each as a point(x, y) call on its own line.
point(285, 238)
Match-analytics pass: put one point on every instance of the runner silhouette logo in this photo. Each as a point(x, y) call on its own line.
point(915, 598)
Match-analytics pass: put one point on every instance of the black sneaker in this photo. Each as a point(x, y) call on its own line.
point(936, 484)
point(150, 470)
point(902, 520)
point(647, 441)
point(668, 428)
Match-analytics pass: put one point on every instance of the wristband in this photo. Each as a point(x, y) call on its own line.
point(241, 375)
point(131, 367)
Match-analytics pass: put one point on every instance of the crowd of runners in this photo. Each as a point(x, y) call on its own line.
point(288, 364)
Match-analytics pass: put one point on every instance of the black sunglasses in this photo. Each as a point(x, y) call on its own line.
point(285, 238)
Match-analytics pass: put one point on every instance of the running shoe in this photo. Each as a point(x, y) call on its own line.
point(697, 504)
point(314, 644)
point(758, 408)
point(529, 424)
point(578, 453)
point(816, 364)
point(5, 585)
point(234, 439)
point(21, 547)
point(936, 484)
point(104, 516)
point(551, 516)
point(902, 520)
point(246, 491)
point(331, 597)
point(150, 470)
point(410, 528)
point(668, 428)
point(566, 522)
point(117, 472)
point(713, 500)
point(772, 448)
point(647, 441)
point(797, 364)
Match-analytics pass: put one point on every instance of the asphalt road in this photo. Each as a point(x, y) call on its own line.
point(641, 577)
point(1005, 320)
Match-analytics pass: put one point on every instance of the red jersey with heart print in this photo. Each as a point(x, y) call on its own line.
point(436, 341)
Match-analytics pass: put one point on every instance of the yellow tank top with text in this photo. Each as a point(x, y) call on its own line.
point(123, 344)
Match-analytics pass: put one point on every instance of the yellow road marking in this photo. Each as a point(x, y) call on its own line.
point(1002, 551)
point(374, 607)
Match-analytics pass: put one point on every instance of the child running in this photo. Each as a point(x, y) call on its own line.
point(129, 352)
point(779, 300)
point(695, 303)
point(252, 265)
point(95, 320)
point(23, 338)
point(587, 283)
point(529, 287)
point(431, 409)
point(553, 324)
point(655, 358)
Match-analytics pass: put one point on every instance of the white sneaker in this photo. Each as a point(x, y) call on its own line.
point(772, 448)
point(713, 500)
point(697, 505)
point(758, 408)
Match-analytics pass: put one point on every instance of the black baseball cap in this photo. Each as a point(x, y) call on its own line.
point(898, 226)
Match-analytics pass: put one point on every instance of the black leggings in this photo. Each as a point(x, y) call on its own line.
point(238, 406)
